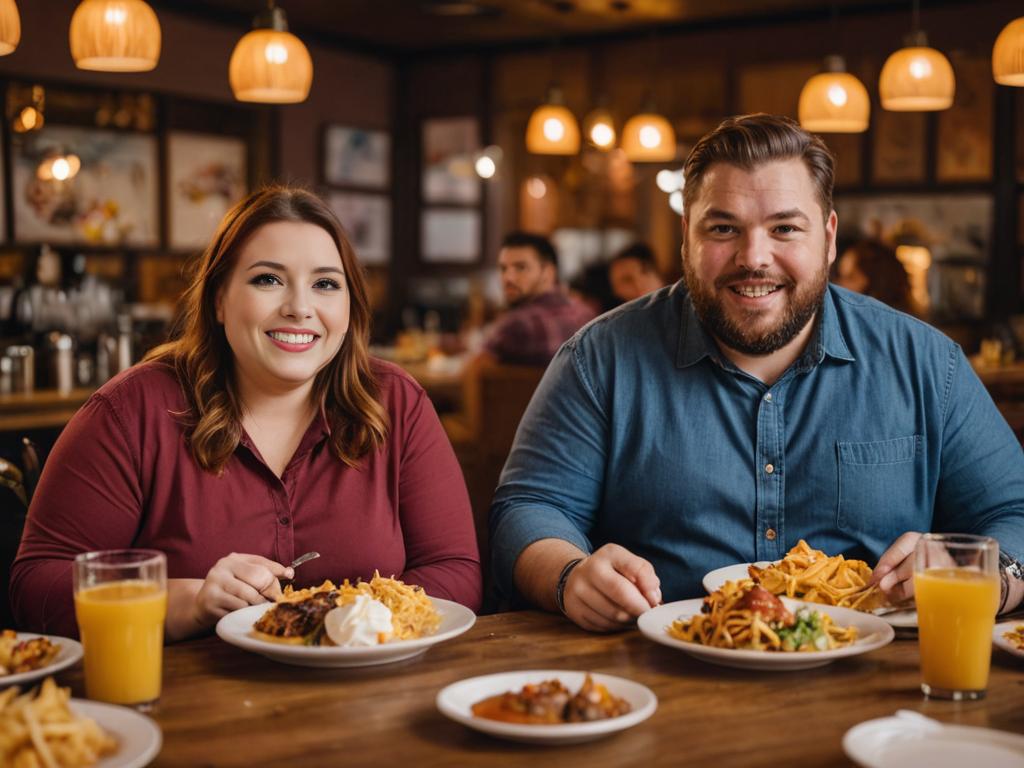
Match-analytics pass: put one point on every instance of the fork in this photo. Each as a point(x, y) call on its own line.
point(296, 563)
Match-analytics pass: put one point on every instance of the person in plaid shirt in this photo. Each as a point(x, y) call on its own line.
point(540, 316)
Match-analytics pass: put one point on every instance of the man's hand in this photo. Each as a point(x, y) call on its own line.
point(894, 573)
point(610, 588)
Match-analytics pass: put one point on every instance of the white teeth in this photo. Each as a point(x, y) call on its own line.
point(293, 338)
point(754, 291)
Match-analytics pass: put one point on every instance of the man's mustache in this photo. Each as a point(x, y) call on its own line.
point(724, 281)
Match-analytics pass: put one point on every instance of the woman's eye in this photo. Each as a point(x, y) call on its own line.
point(326, 284)
point(266, 279)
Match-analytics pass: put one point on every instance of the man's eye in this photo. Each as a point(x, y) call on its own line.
point(326, 284)
point(266, 279)
point(786, 229)
point(722, 229)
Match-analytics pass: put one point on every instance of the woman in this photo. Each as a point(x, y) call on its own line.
point(263, 431)
point(871, 267)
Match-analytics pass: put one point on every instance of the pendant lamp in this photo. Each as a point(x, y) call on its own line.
point(552, 129)
point(917, 78)
point(269, 64)
point(1008, 54)
point(834, 101)
point(115, 36)
point(648, 137)
point(10, 27)
point(599, 129)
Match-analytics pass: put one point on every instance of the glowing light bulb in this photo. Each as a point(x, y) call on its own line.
point(554, 130)
point(115, 16)
point(675, 201)
point(837, 94)
point(29, 117)
point(275, 53)
point(920, 68)
point(602, 134)
point(485, 167)
point(650, 137)
point(536, 188)
point(61, 169)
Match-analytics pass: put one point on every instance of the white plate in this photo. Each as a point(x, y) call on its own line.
point(138, 737)
point(911, 740)
point(872, 633)
point(715, 579)
point(70, 652)
point(1002, 642)
point(236, 628)
point(456, 702)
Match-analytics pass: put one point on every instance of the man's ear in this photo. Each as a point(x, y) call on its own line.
point(831, 227)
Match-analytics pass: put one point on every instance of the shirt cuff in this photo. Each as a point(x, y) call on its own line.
point(519, 528)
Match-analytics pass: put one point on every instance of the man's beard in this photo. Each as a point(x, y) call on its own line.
point(739, 333)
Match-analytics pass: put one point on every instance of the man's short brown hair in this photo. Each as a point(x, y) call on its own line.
point(748, 141)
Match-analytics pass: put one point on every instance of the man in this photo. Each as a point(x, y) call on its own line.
point(633, 272)
point(747, 407)
point(540, 315)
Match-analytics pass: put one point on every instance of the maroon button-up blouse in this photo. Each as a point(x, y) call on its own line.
point(121, 475)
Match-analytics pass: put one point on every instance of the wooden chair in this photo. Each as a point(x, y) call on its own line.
point(494, 398)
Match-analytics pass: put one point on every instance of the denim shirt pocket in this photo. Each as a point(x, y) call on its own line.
point(877, 482)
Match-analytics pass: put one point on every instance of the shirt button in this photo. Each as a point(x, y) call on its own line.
point(770, 534)
point(768, 397)
point(769, 468)
point(284, 521)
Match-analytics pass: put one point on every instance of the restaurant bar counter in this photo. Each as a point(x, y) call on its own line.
point(223, 706)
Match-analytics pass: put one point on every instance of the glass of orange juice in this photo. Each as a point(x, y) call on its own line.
point(121, 604)
point(956, 587)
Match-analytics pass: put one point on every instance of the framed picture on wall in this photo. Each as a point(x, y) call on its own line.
point(85, 186)
point(367, 222)
point(899, 147)
point(450, 235)
point(356, 157)
point(206, 175)
point(449, 147)
point(964, 143)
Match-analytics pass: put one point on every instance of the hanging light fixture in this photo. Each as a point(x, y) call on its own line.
point(552, 129)
point(599, 128)
point(1008, 54)
point(115, 36)
point(916, 78)
point(10, 27)
point(834, 101)
point(648, 137)
point(269, 64)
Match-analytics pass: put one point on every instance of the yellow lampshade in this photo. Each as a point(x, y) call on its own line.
point(552, 129)
point(917, 79)
point(834, 101)
point(10, 27)
point(1008, 54)
point(648, 138)
point(599, 129)
point(115, 36)
point(270, 65)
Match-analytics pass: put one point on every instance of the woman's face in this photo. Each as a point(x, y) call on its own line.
point(284, 307)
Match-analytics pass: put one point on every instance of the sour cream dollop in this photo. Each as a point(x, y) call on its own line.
point(359, 623)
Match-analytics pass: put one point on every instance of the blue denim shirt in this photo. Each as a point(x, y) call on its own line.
point(643, 434)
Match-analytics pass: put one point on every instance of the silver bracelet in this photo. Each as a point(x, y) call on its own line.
point(563, 578)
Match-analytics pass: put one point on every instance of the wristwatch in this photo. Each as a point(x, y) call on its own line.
point(1008, 568)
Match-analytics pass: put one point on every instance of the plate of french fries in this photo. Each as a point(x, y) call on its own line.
point(811, 575)
point(1009, 635)
point(44, 726)
point(26, 656)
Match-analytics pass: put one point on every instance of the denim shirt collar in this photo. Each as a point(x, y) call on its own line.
point(695, 343)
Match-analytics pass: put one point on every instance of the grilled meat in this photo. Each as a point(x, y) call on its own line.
point(299, 619)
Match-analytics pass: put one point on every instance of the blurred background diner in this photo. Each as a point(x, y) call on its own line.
point(433, 128)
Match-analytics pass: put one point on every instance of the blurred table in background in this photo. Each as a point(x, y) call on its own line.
point(40, 409)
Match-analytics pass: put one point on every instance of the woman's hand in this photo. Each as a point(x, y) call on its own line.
point(234, 582)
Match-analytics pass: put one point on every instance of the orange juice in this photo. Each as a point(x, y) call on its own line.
point(956, 610)
point(122, 629)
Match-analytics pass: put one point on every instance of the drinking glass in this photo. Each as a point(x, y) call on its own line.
point(956, 587)
point(121, 604)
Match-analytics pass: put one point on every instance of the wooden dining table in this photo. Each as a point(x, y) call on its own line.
point(222, 706)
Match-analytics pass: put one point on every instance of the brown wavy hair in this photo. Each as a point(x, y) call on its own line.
point(346, 388)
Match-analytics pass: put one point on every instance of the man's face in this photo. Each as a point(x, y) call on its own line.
point(524, 274)
point(756, 252)
point(631, 278)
